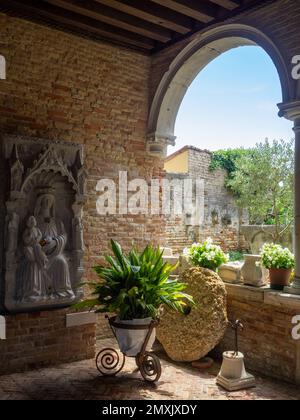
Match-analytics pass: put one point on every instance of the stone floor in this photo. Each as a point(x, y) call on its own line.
point(81, 381)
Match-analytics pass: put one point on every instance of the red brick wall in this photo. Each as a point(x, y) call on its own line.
point(41, 339)
point(63, 87)
point(266, 341)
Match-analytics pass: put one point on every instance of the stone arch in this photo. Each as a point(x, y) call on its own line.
point(188, 64)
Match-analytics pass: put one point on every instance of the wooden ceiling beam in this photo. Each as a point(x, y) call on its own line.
point(204, 12)
point(146, 10)
point(112, 17)
point(227, 4)
point(55, 14)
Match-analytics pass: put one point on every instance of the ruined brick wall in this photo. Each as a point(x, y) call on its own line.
point(63, 87)
point(222, 218)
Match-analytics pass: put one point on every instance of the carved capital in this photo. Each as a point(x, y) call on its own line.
point(158, 143)
point(290, 111)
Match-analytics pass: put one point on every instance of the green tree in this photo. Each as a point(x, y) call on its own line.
point(263, 183)
point(226, 159)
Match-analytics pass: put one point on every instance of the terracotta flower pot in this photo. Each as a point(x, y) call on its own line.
point(279, 278)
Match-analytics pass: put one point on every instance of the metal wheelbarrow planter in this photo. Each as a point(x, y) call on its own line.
point(110, 362)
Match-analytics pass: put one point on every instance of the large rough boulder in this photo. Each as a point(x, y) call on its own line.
point(190, 337)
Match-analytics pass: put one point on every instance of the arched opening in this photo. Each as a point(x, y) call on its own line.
point(232, 103)
point(189, 63)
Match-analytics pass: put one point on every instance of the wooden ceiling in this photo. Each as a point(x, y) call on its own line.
point(145, 25)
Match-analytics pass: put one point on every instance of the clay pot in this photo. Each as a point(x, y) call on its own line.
point(279, 278)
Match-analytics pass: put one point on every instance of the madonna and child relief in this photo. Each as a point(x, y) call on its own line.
point(43, 246)
point(44, 272)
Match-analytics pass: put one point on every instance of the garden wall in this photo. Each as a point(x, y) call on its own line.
point(221, 217)
point(266, 341)
point(256, 236)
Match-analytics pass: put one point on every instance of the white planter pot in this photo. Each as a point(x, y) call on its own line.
point(131, 341)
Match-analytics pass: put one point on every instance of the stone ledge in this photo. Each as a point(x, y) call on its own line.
point(246, 292)
point(80, 318)
point(264, 295)
point(283, 300)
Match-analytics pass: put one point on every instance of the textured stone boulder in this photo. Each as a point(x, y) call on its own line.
point(187, 338)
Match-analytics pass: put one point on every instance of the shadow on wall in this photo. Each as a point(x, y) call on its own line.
point(256, 236)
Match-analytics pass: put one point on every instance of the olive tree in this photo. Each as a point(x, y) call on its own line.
point(263, 182)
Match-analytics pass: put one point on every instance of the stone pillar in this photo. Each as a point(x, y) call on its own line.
point(291, 111)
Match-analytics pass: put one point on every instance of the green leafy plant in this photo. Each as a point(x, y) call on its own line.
point(263, 183)
point(136, 286)
point(275, 256)
point(236, 256)
point(206, 255)
point(226, 159)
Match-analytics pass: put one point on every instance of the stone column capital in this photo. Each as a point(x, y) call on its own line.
point(290, 111)
point(157, 143)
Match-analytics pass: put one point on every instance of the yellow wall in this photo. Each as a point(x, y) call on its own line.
point(179, 164)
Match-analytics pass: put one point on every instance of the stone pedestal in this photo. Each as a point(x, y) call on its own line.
point(231, 272)
point(233, 375)
point(252, 274)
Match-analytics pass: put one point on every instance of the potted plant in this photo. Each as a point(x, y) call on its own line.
point(206, 255)
point(280, 263)
point(134, 287)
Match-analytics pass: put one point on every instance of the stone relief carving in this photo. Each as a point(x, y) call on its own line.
point(43, 243)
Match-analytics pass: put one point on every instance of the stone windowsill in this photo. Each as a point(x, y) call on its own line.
point(263, 295)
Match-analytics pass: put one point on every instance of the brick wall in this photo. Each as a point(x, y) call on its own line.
point(266, 341)
point(63, 87)
point(218, 205)
point(41, 339)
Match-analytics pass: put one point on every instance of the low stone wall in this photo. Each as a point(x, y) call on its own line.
point(266, 341)
point(255, 236)
point(41, 339)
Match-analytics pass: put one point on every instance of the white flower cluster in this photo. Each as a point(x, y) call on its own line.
point(206, 255)
point(275, 256)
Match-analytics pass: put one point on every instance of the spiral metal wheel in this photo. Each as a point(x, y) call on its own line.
point(109, 362)
point(150, 367)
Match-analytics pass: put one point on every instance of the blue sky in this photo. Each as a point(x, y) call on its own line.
point(232, 103)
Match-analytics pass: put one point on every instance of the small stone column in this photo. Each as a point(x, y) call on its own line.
point(291, 111)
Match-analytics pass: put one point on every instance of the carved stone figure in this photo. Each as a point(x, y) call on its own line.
point(54, 239)
point(78, 233)
point(32, 271)
point(43, 250)
point(44, 272)
point(16, 170)
point(12, 232)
